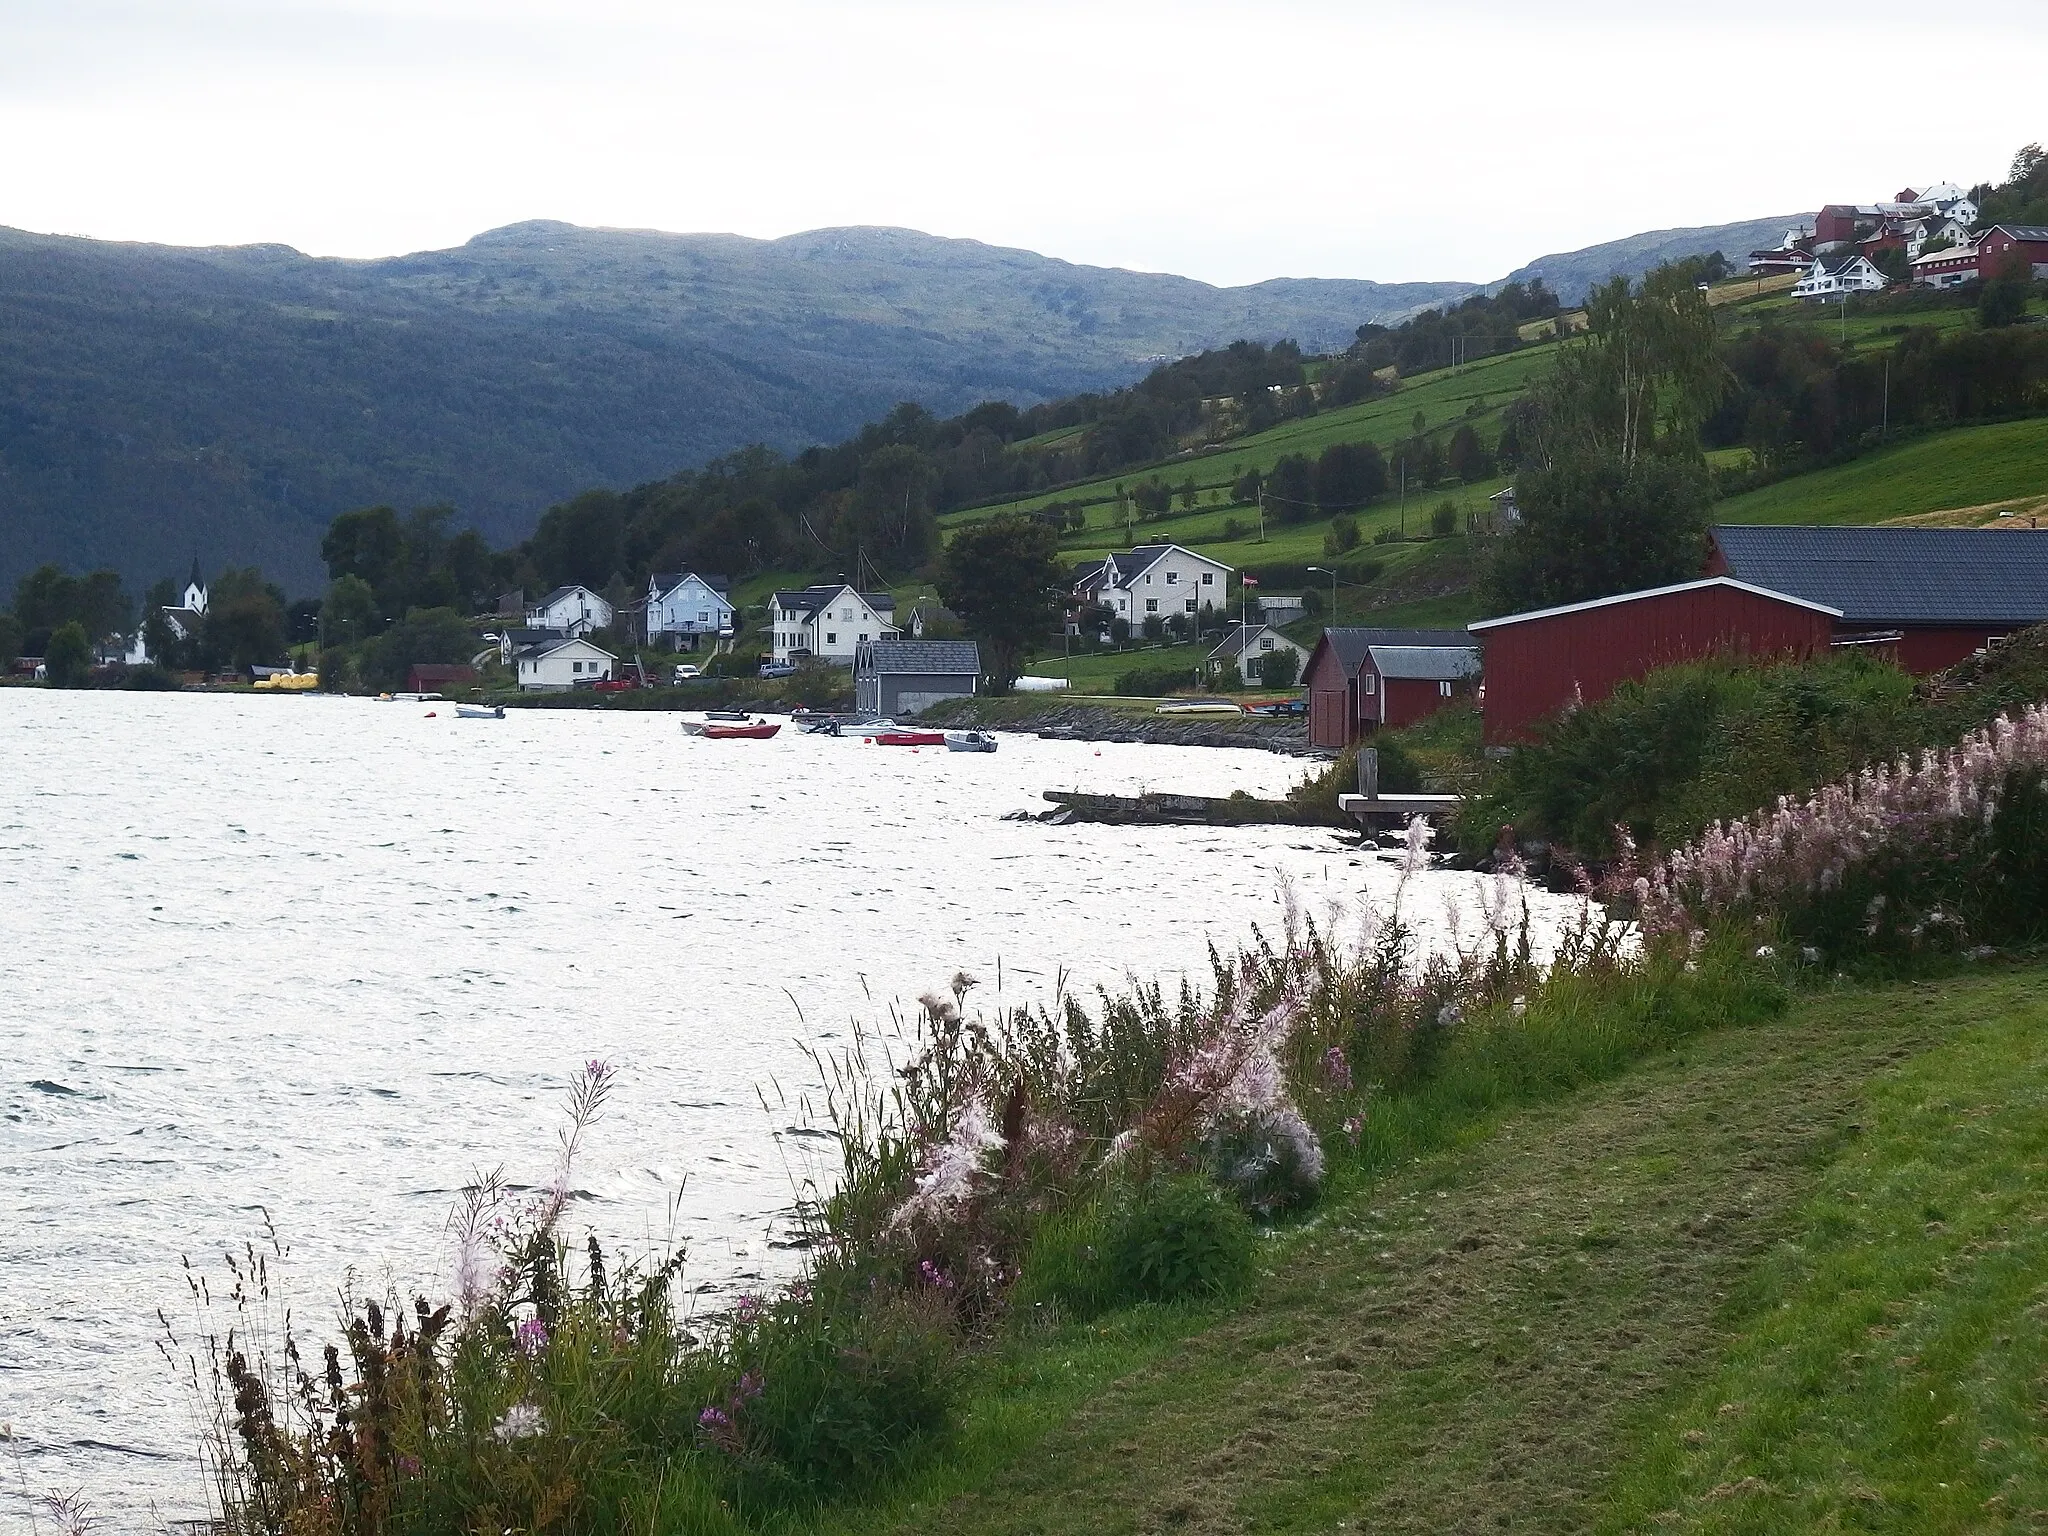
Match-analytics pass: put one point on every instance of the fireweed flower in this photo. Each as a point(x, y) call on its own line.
point(713, 1418)
point(532, 1336)
point(1336, 1070)
point(522, 1421)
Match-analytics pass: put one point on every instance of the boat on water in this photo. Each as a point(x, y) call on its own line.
point(909, 738)
point(759, 730)
point(735, 716)
point(1200, 707)
point(970, 741)
point(479, 711)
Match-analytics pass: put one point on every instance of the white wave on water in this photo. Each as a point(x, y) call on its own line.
point(324, 958)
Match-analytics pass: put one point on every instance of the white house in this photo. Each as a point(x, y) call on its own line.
point(572, 610)
point(828, 623)
point(1156, 581)
point(685, 607)
point(1836, 277)
point(559, 663)
point(1245, 645)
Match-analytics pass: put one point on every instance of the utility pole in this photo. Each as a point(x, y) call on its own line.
point(1262, 511)
point(1885, 430)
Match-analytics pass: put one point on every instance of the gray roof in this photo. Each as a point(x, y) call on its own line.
point(2024, 231)
point(555, 641)
point(1426, 663)
point(667, 581)
point(1238, 636)
point(1351, 644)
point(1898, 576)
point(950, 658)
point(811, 599)
point(562, 592)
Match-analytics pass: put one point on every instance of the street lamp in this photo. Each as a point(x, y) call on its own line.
point(1323, 570)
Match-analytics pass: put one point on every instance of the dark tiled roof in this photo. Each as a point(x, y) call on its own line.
point(666, 582)
point(1351, 644)
point(561, 592)
point(1898, 575)
point(1426, 663)
point(1237, 637)
point(951, 658)
point(2028, 232)
point(810, 600)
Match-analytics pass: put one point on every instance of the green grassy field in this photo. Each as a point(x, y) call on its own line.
point(1782, 1277)
point(1965, 467)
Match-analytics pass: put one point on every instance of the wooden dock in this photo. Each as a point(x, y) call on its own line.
point(1169, 810)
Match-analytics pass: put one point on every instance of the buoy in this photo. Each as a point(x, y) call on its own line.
point(431, 715)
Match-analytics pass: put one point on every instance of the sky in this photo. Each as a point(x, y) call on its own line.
point(1455, 139)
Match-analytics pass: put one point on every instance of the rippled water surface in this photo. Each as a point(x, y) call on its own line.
point(323, 958)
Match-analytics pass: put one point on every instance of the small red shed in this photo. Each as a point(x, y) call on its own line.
point(1342, 706)
point(1402, 684)
point(428, 677)
point(1539, 663)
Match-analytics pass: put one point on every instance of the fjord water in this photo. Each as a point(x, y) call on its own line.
point(324, 958)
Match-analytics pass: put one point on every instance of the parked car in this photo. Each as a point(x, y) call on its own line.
point(685, 671)
point(778, 669)
point(1281, 708)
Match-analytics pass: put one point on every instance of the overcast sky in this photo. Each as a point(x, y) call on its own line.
point(1451, 139)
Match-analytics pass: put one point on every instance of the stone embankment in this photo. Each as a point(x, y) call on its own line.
point(1100, 722)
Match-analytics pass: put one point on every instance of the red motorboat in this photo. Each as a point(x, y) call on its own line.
point(910, 739)
point(760, 730)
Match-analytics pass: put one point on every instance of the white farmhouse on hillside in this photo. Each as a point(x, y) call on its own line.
point(1155, 581)
point(829, 623)
point(684, 607)
point(572, 610)
point(559, 663)
point(1246, 645)
point(1836, 277)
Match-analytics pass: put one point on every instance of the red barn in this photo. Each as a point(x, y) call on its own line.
point(1539, 663)
point(2001, 244)
point(1343, 703)
point(1943, 592)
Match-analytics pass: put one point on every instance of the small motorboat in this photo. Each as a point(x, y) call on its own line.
point(759, 730)
point(479, 711)
point(909, 738)
point(1200, 707)
point(970, 741)
point(825, 726)
point(736, 716)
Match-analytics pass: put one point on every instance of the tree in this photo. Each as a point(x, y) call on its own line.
point(1291, 490)
point(1593, 527)
point(10, 639)
point(1278, 668)
point(1443, 520)
point(244, 623)
point(348, 614)
point(1644, 376)
point(424, 637)
point(368, 544)
point(2004, 300)
point(67, 659)
point(1468, 457)
point(1003, 578)
point(1348, 475)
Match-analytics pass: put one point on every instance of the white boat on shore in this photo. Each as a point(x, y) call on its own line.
point(479, 711)
point(970, 741)
point(1200, 707)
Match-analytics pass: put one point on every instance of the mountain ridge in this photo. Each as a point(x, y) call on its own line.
point(229, 400)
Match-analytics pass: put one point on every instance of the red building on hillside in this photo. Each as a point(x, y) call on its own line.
point(1999, 245)
point(1542, 662)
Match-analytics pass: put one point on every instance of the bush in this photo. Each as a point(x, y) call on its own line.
point(1278, 668)
point(68, 658)
point(1177, 1239)
point(1443, 522)
point(1151, 682)
point(820, 686)
point(1268, 1160)
point(1342, 537)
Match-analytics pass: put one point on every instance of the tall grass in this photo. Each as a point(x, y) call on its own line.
point(996, 1170)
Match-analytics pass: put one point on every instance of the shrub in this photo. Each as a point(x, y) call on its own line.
point(1152, 682)
point(1177, 1239)
point(1278, 668)
point(1267, 1159)
point(68, 657)
point(1443, 521)
point(1342, 537)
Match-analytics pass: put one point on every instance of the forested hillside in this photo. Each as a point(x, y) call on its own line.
point(158, 402)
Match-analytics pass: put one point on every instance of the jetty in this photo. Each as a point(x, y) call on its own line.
point(1170, 810)
point(1374, 810)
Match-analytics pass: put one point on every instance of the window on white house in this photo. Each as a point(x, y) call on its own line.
point(863, 637)
point(575, 666)
point(1148, 581)
point(846, 614)
point(1191, 605)
point(1265, 642)
point(1172, 577)
point(1208, 578)
point(832, 638)
point(1151, 605)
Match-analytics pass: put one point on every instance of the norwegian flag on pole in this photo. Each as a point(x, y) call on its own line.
point(1249, 581)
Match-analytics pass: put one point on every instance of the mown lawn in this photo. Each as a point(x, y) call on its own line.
point(1782, 1277)
point(1962, 468)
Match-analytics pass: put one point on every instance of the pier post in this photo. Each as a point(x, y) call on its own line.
point(1369, 772)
